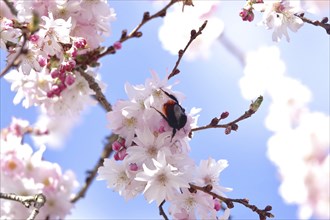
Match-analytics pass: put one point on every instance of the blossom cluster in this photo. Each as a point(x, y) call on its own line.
point(26, 173)
point(278, 15)
point(151, 157)
point(54, 36)
point(299, 146)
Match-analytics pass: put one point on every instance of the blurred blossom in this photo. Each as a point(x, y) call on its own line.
point(279, 16)
point(299, 146)
point(263, 69)
point(24, 172)
point(175, 31)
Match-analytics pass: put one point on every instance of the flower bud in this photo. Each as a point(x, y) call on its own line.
point(133, 167)
point(217, 205)
point(117, 45)
point(116, 146)
point(224, 115)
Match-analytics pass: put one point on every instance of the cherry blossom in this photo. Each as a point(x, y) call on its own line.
point(150, 160)
point(26, 173)
point(279, 15)
point(299, 146)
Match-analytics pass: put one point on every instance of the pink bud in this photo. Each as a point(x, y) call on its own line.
point(74, 52)
point(250, 16)
point(117, 45)
point(122, 154)
point(70, 79)
point(133, 167)
point(217, 205)
point(243, 14)
point(80, 43)
point(42, 61)
point(116, 156)
point(34, 38)
point(224, 115)
point(116, 146)
point(54, 74)
point(121, 141)
point(72, 64)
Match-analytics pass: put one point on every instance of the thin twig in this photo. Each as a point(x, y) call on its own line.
point(323, 23)
point(11, 7)
point(135, 32)
point(107, 150)
point(100, 97)
point(15, 59)
point(263, 213)
point(37, 201)
point(161, 210)
point(193, 35)
point(233, 124)
point(232, 48)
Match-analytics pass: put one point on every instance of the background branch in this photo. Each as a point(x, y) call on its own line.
point(161, 210)
point(99, 96)
point(37, 201)
point(107, 150)
point(323, 23)
point(193, 35)
point(135, 32)
point(263, 213)
point(11, 7)
point(15, 60)
point(233, 124)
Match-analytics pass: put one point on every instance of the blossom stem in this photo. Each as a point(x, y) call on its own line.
point(135, 32)
point(233, 124)
point(15, 60)
point(161, 210)
point(193, 36)
point(323, 23)
point(232, 48)
point(100, 97)
point(11, 7)
point(37, 201)
point(263, 213)
point(107, 150)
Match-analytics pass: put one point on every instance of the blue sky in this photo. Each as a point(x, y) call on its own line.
point(208, 84)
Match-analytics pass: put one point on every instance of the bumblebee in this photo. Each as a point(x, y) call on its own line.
point(173, 114)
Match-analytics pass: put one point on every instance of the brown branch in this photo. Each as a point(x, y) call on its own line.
point(99, 96)
point(233, 124)
point(15, 60)
point(161, 210)
point(37, 201)
point(107, 150)
point(232, 48)
point(263, 213)
point(11, 7)
point(323, 23)
point(135, 33)
point(193, 35)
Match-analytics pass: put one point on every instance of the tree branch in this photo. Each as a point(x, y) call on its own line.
point(233, 124)
point(15, 60)
point(161, 210)
point(107, 150)
point(11, 7)
point(263, 213)
point(37, 201)
point(323, 23)
point(135, 32)
point(193, 35)
point(99, 96)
